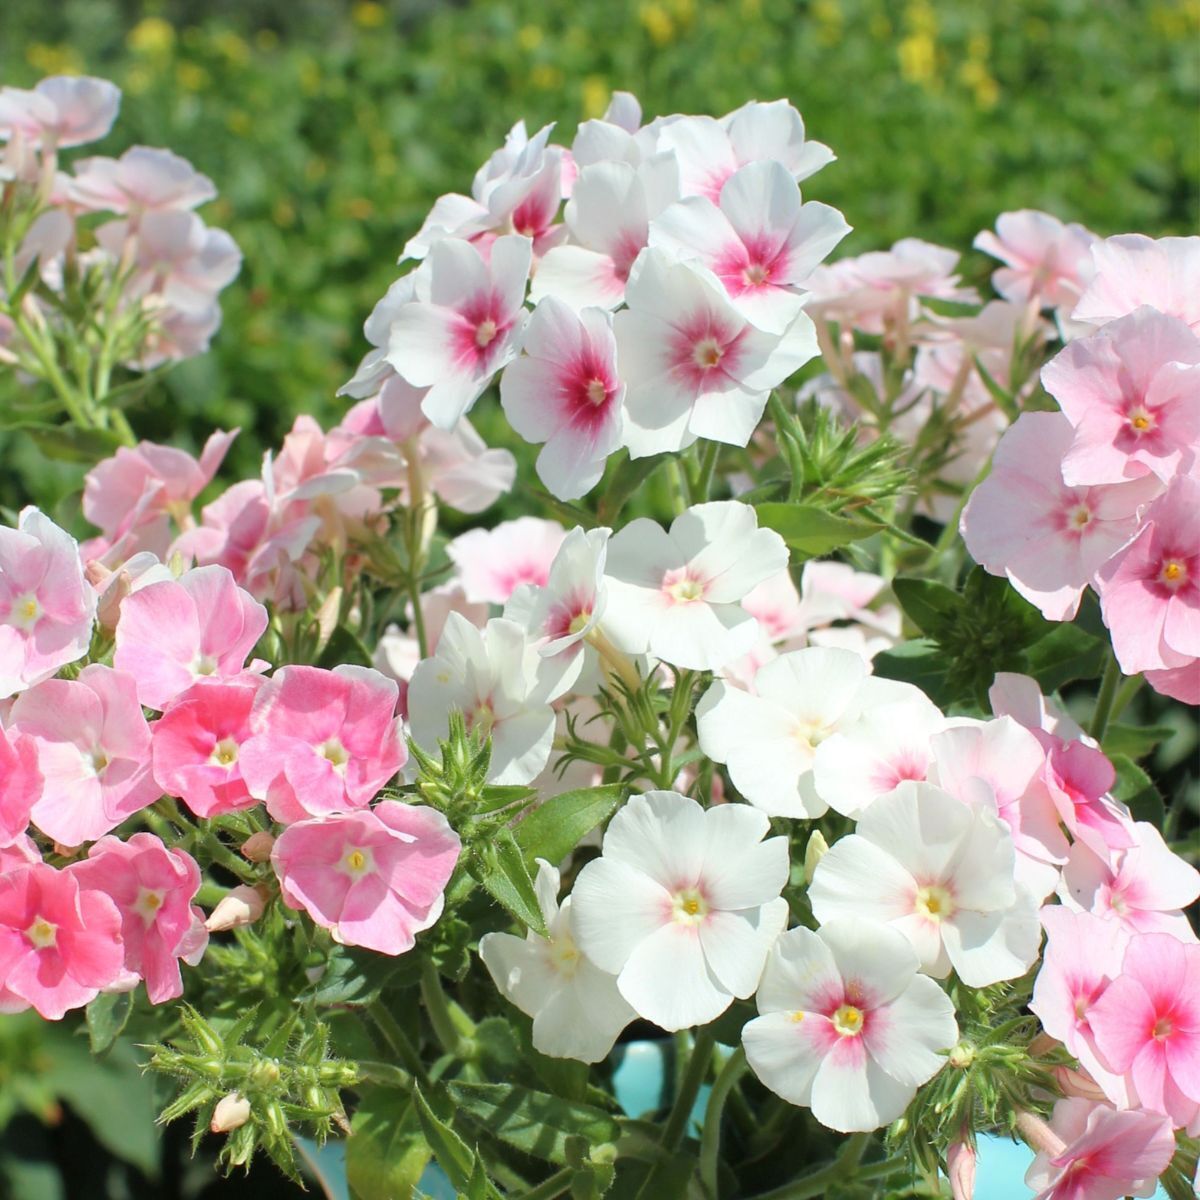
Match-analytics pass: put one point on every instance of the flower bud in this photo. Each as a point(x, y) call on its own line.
point(232, 1111)
point(960, 1168)
point(241, 906)
point(1078, 1083)
point(813, 853)
point(257, 847)
point(962, 1056)
point(1039, 1135)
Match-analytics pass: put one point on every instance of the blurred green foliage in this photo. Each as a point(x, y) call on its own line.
point(331, 128)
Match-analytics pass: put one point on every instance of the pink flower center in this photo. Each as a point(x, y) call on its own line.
point(682, 588)
point(1079, 518)
point(1173, 573)
point(707, 353)
point(1162, 1029)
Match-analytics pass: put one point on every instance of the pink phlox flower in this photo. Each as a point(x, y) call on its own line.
point(493, 563)
point(59, 111)
point(20, 784)
point(1079, 778)
point(1132, 269)
point(1020, 697)
point(1180, 683)
point(144, 179)
point(1044, 259)
point(176, 334)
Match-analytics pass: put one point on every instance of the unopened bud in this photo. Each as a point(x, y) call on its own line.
point(241, 906)
point(111, 590)
point(1042, 1044)
point(813, 853)
point(265, 1074)
point(962, 1056)
point(1039, 1135)
point(232, 1112)
point(257, 847)
point(1078, 1083)
point(960, 1168)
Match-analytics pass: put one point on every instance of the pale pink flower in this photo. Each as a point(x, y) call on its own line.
point(231, 1112)
point(144, 179)
point(1131, 392)
point(197, 742)
point(694, 365)
point(564, 390)
point(323, 741)
point(59, 111)
point(1100, 1153)
point(848, 1027)
point(1180, 683)
point(776, 605)
point(1150, 590)
point(463, 324)
point(1049, 539)
point(172, 633)
point(1132, 269)
point(373, 878)
point(462, 471)
point(1019, 697)
point(47, 608)
point(93, 750)
point(153, 889)
point(1045, 259)
point(20, 784)
point(493, 563)
point(758, 239)
point(961, 1161)
point(60, 942)
point(175, 335)
point(240, 906)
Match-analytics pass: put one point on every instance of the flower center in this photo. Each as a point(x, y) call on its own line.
point(690, 907)
point(1080, 517)
point(483, 718)
point(707, 353)
point(205, 664)
point(1173, 573)
point(357, 862)
point(100, 760)
point(933, 902)
point(1140, 419)
point(564, 955)
point(1162, 1029)
point(334, 752)
point(25, 612)
point(596, 392)
point(579, 622)
point(848, 1020)
point(147, 904)
point(225, 752)
point(685, 591)
point(485, 333)
point(755, 274)
point(42, 933)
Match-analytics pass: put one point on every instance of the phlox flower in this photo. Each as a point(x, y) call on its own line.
point(1147, 1023)
point(175, 334)
point(577, 1009)
point(1101, 1153)
point(59, 111)
point(374, 370)
point(682, 906)
point(197, 744)
point(1049, 539)
point(1079, 777)
point(493, 563)
point(1180, 683)
point(1150, 590)
point(492, 677)
point(941, 872)
point(47, 608)
point(564, 390)
point(153, 889)
point(172, 633)
point(1044, 259)
point(675, 593)
point(60, 941)
point(847, 1027)
point(1144, 887)
point(1132, 392)
point(694, 365)
point(1019, 697)
point(322, 741)
point(757, 238)
point(144, 179)
point(93, 751)
point(462, 325)
point(1132, 269)
point(461, 470)
point(374, 878)
point(20, 784)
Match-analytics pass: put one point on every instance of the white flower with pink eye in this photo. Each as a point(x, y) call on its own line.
point(493, 563)
point(682, 906)
point(577, 1009)
point(492, 677)
point(1132, 269)
point(847, 1027)
point(675, 594)
point(564, 390)
point(1049, 539)
point(144, 179)
point(59, 111)
point(694, 365)
point(758, 239)
point(608, 217)
point(940, 872)
point(1044, 259)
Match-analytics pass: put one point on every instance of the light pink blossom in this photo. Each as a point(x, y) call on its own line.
point(1132, 269)
point(59, 111)
point(20, 784)
point(1044, 259)
point(144, 179)
point(493, 563)
point(1079, 777)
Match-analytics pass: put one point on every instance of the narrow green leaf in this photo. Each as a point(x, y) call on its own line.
point(813, 531)
point(70, 443)
point(506, 877)
point(555, 828)
point(107, 1016)
point(454, 1156)
point(1065, 654)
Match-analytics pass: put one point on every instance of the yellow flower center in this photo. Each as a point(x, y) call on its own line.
point(1140, 419)
point(485, 333)
point(1173, 573)
point(597, 393)
point(934, 902)
point(25, 612)
point(686, 591)
point(1163, 1028)
point(690, 907)
point(333, 751)
point(579, 621)
point(755, 274)
point(848, 1020)
point(147, 904)
point(42, 933)
point(707, 353)
point(1080, 517)
point(225, 752)
point(205, 665)
point(357, 862)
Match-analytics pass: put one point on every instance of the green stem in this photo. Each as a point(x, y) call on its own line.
point(1104, 702)
point(689, 1088)
point(438, 1009)
point(397, 1040)
point(1125, 693)
point(816, 1183)
point(678, 486)
point(384, 1074)
point(556, 1185)
point(710, 1138)
point(704, 474)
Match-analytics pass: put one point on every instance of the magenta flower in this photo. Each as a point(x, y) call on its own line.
point(375, 878)
point(172, 633)
point(60, 942)
point(20, 784)
point(324, 741)
point(1079, 778)
point(153, 888)
point(197, 743)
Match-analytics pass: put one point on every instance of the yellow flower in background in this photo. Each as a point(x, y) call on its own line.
point(238, 122)
point(137, 80)
point(828, 16)
point(529, 37)
point(231, 47)
point(191, 76)
point(595, 93)
point(54, 60)
point(368, 15)
point(151, 35)
point(918, 58)
point(544, 75)
point(657, 22)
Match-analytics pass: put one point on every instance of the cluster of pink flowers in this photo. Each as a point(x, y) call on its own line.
point(166, 266)
point(1105, 492)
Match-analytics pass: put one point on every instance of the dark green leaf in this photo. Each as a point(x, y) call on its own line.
point(356, 977)
point(1135, 741)
point(106, 1018)
point(812, 531)
point(554, 829)
point(386, 1152)
point(932, 607)
point(344, 646)
point(70, 443)
point(921, 662)
point(1135, 788)
point(454, 1156)
point(503, 872)
point(1065, 654)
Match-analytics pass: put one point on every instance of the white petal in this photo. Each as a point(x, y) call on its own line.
point(858, 879)
point(905, 1036)
point(663, 835)
point(578, 277)
point(614, 909)
point(875, 958)
point(668, 982)
point(783, 1053)
point(800, 976)
point(736, 944)
point(988, 947)
point(852, 1094)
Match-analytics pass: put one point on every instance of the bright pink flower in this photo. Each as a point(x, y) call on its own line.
point(46, 606)
point(1049, 539)
point(1147, 1023)
point(1079, 778)
point(493, 563)
point(1101, 1154)
point(324, 741)
point(153, 888)
point(1132, 269)
point(143, 179)
point(20, 784)
point(1045, 258)
point(62, 110)
point(197, 743)
point(564, 390)
point(171, 634)
point(60, 943)
point(375, 878)
point(1150, 591)
point(1132, 392)
point(93, 749)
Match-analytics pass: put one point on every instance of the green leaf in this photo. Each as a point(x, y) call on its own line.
point(1136, 789)
point(1005, 401)
point(812, 531)
point(70, 443)
point(921, 662)
point(630, 474)
point(1065, 654)
point(932, 607)
point(454, 1156)
point(477, 1185)
point(106, 1018)
point(534, 1122)
point(386, 1152)
point(1135, 741)
point(356, 977)
point(554, 829)
point(502, 871)
point(344, 646)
